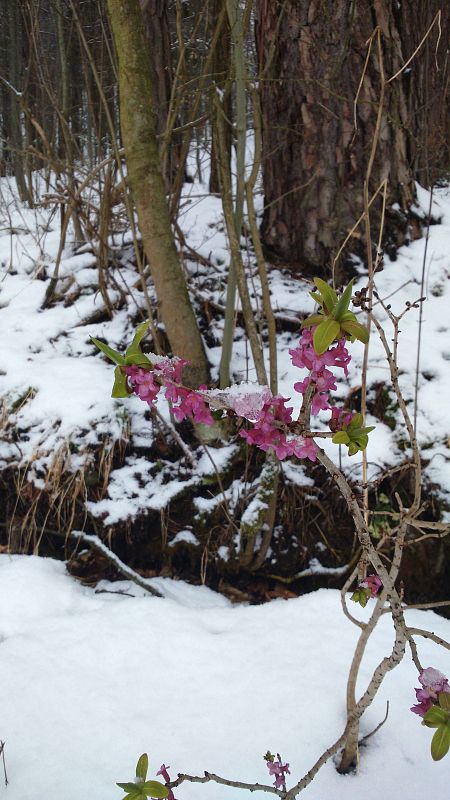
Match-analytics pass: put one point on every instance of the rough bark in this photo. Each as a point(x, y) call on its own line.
point(311, 58)
point(138, 124)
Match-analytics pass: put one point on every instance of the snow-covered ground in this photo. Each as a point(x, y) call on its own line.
point(90, 681)
point(56, 388)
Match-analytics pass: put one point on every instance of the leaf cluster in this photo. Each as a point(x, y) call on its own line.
point(133, 356)
point(334, 320)
point(143, 788)
point(354, 435)
point(361, 595)
point(439, 717)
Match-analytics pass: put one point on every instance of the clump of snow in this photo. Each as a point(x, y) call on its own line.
point(184, 536)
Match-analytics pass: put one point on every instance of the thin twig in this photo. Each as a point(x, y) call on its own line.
point(380, 725)
point(126, 571)
point(2, 752)
point(429, 635)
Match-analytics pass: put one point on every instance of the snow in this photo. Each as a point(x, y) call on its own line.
point(91, 680)
point(56, 388)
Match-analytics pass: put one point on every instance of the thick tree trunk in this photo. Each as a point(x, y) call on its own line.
point(138, 124)
point(311, 59)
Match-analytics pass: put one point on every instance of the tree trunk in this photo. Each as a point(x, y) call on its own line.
point(311, 59)
point(13, 122)
point(157, 31)
point(220, 70)
point(138, 124)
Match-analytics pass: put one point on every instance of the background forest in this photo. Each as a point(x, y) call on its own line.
point(197, 164)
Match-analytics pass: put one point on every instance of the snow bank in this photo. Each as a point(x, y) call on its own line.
point(89, 681)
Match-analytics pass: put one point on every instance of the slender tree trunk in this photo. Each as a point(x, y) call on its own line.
point(312, 57)
point(220, 70)
point(14, 126)
point(138, 124)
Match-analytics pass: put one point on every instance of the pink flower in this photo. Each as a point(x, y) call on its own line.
point(372, 582)
point(301, 386)
point(432, 682)
point(279, 771)
point(163, 770)
point(306, 448)
point(326, 381)
point(143, 383)
point(319, 403)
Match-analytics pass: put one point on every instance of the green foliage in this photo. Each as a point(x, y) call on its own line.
point(440, 743)
point(353, 435)
point(133, 357)
point(142, 788)
point(439, 717)
point(361, 596)
point(334, 320)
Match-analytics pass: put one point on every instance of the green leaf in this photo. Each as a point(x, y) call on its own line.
point(314, 319)
point(142, 767)
point(352, 448)
point(138, 359)
point(136, 795)
point(130, 786)
point(154, 789)
point(341, 437)
point(324, 334)
point(120, 388)
point(113, 355)
point(444, 700)
point(316, 297)
point(356, 330)
point(356, 421)
point(344, 302)
point(362, 441)
point(435, 716)
point(348, 316)
point(361, 596)
point(328, 294)
point(141, 330)
point(440, 743)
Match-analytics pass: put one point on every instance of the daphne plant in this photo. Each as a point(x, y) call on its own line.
point(333, 321)
point(273, 427)
point(141, 788)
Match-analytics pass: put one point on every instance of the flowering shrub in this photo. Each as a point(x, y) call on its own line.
point(322, 348)
point(273, 427)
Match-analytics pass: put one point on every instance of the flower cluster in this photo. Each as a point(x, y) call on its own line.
point(168, 371)
point(432, 683)
point(277, 769)
point(269, 432)
point(320, 377)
